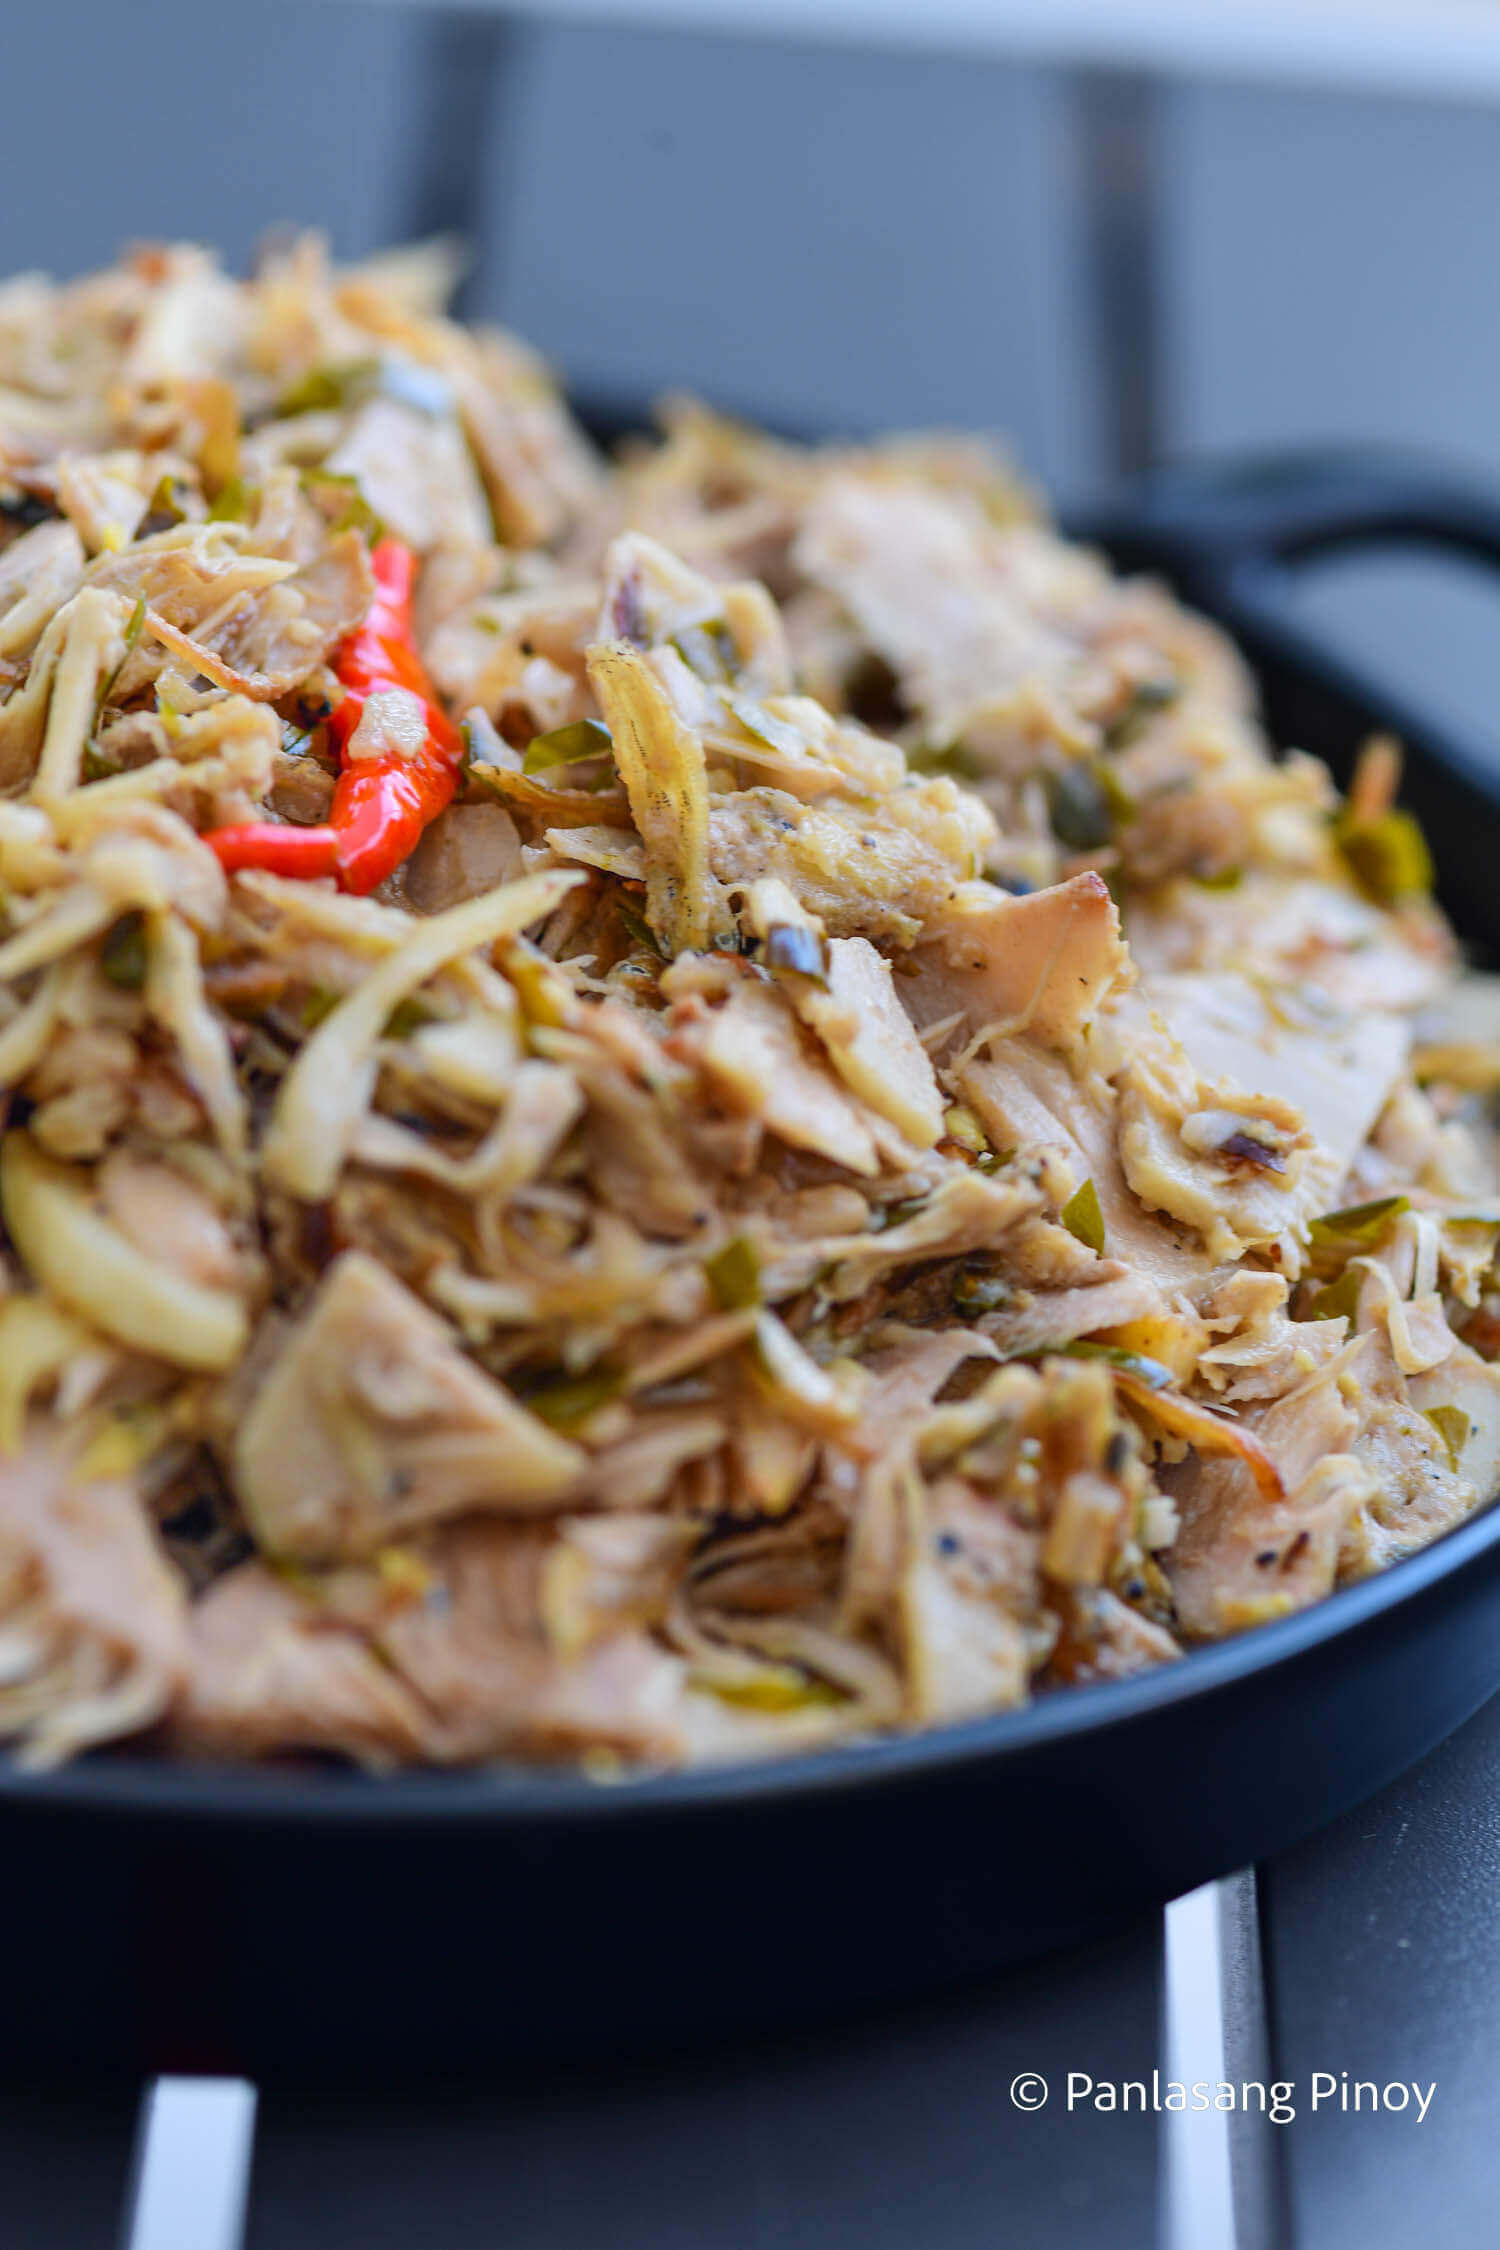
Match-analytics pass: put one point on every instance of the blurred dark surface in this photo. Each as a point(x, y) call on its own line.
point(1383, 1960)
point(883, 2136)
point(64, 2167)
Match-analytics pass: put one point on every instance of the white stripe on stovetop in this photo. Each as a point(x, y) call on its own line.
point(192, 2167)
point(1217, 2168)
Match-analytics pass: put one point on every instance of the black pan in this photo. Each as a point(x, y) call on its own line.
point(316, 1922)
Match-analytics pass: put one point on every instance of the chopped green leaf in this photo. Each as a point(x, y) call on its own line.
point(122, 958)
point(320, 1002)
point(236, 502)
point(1357, 1222)
point(708, 649)
point(348, 383)
point(1387, 856)
point(639, 928)
point(1225, 879)
point(1146, 698)
point(407, 1016)
point(1157, 694)
point(1114, 792)
point(567, 746)
point(896, 1214)
point(107, 684)
point(165, 507)
point(325, 390)
point(764, 726)
point(1452, 1426)
point(1078, 807)
point(1151, 1371)
point(484, 750)
point(342, 500)
point(952, 758)
point(1340, 1300)
point(566, 1403)
point(1083, 1218)
point(733, 1275)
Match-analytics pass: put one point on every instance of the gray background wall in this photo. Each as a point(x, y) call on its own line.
point(833, 237)
point(855, 237)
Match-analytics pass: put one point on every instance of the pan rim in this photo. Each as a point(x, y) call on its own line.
point(510, 1797)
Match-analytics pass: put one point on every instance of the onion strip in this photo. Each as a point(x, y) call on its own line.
point(93, 1269)
point(329, 1085)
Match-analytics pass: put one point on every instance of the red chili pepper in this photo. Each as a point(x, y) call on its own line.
point(277, 846)
point(381, 804)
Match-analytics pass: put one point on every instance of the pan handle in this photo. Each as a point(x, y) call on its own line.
point(1226, 538)
point(1222, 524)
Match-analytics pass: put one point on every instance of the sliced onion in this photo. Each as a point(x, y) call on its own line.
point(93, 1269)
point(329, 1086)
